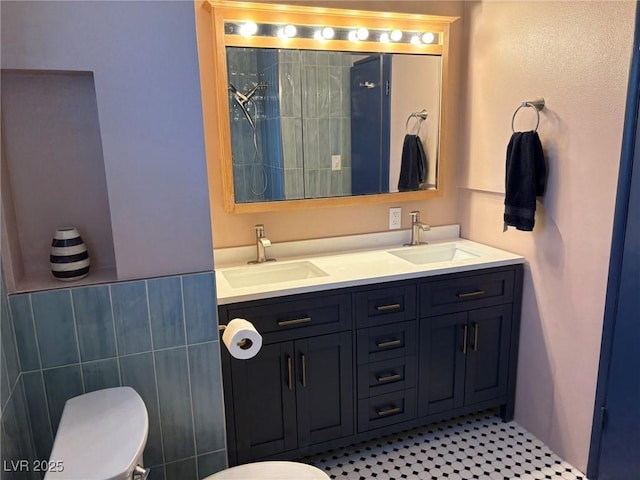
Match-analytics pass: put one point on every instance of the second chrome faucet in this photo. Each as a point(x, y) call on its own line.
point(416, 227)
point(262, 243)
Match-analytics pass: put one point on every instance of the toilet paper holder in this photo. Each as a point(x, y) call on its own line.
point(242, 343)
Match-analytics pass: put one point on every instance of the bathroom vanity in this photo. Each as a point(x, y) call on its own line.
point(385, 340)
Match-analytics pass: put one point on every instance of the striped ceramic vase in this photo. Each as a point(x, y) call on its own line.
point(69, 258)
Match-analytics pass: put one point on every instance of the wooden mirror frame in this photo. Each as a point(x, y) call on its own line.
point(222, 11)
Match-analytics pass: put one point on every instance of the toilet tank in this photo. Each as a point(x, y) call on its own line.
point(101, 436)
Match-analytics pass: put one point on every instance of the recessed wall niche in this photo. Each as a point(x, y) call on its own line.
point(53, 175)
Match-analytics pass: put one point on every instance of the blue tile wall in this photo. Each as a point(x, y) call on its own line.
point(94, 321)
point(200, 307)
point(158, 336)
point(39, 413)
point(55, 328)
point(16, 439)
point(166, 312)
point(172, 373)
point(131, 317)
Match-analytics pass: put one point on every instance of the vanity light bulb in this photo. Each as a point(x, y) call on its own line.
point(384, 37)
point(290, 31)
point(415, 40)
point(428, 37)
point(396, 35)
point(353, 36)
point(317, 35)
point(363, 33)
point(249, 28)
point(328, 33)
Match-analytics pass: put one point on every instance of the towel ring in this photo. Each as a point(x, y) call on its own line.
point(420, 117)
point(537, 104)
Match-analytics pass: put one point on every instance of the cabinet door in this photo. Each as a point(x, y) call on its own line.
point(324, 388)
point(488, 354)
point(442, 363)
point(264, 402)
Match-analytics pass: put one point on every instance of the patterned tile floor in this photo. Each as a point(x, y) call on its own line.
point(479, 446)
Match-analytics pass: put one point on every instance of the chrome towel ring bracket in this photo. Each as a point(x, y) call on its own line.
point(537, 104)
point(420, 116)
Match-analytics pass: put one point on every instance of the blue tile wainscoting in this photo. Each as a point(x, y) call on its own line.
point(16, 441)
point(158, 336)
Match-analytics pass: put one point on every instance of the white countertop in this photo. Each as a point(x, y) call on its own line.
point(371, 263)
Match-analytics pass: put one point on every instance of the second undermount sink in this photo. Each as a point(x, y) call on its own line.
point(266, 273)
point(420, 255)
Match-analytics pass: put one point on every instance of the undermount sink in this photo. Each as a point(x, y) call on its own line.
point(262, 274)
point(420, 255)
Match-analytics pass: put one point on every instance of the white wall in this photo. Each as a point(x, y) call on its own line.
point(576, 55)
point(145, 64)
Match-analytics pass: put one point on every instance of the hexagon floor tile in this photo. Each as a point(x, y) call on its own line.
point(479, 446)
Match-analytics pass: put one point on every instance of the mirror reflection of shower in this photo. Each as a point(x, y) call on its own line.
point(260, 121)
point(258, 179)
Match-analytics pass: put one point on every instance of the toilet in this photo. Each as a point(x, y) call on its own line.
point(270, 471)
point(102, 435)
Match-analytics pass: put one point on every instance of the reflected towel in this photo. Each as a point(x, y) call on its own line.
point(525, 180)
point(413, 169)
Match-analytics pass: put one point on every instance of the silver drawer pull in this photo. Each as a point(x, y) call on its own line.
point(392, 343)
point(388, 411)
point(388, 378)
point(386, 308)
point(477, 293)
point(296, 321)
point(290, 372)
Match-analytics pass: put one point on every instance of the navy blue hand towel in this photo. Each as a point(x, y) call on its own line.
point(525, 179)
point(413, 169)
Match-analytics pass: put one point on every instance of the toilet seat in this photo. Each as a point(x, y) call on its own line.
point(271, 471)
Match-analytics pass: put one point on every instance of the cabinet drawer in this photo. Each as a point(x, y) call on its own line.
point(386, 376)
point(465, 293)
point(296, 317)
point(383, 410)
point(385, 305)
point(386, 342)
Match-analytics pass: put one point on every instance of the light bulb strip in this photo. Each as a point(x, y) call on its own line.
point(325, 33)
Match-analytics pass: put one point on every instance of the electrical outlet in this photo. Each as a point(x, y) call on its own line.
point(336, 162)
point(395, 218)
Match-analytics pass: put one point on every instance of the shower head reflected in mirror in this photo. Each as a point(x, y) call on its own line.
point(243, 98)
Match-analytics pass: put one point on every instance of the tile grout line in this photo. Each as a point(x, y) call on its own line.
point(44, 385)
point(155, 378)
point(115, 335)
point(186, 350)
point(75, 326)
point(120, 356)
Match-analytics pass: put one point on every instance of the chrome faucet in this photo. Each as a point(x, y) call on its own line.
point(262, 243)
point(416, 226)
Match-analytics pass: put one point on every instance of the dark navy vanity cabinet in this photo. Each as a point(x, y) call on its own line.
point(347, 365)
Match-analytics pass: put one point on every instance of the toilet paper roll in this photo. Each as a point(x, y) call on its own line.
point(242, 339)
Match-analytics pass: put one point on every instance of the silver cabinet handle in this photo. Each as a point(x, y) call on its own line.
point(476, 327)
point(392, 343)
point(464, 339)
point(141, 473)
point(388, 411)
point(295, 321)
point(290, 373)
point(384, 308)
point(477, 293)
point(388, 378)
point(304, 370)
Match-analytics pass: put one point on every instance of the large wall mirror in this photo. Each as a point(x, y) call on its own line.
point(324, 106)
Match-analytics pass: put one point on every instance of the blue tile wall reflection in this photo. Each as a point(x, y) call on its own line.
point(158, 336)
